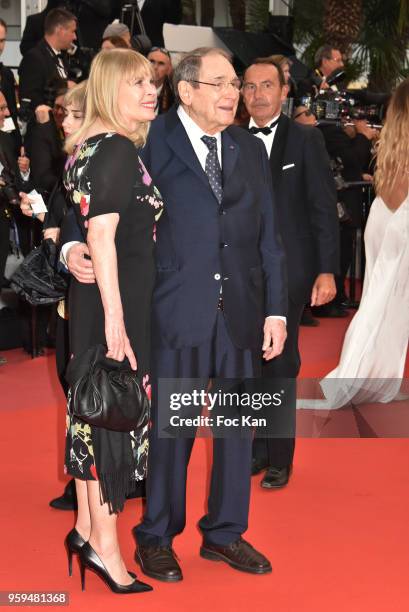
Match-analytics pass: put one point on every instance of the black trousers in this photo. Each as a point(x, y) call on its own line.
point(279, 451)
point(228, 503)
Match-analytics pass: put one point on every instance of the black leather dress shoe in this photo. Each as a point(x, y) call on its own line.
point(275, 478)
point(68, 500)
point(159, 562)
point(240, 555)
point(257, 466)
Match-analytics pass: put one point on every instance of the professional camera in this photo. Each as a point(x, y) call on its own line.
point(79, 63)
point(8, 187)
point(345, 105)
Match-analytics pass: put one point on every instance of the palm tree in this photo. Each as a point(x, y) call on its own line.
point(257, 15)
point(384, 41)
point(379, 49)
point(342, 23)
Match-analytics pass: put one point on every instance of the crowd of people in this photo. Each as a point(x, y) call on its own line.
point(194, 236)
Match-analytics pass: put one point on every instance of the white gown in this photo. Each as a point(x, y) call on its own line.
point(374, 351)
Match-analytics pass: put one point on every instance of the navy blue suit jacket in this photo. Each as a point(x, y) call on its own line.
point(202, 246)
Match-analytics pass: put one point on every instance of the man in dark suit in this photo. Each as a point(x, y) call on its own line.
point(220, 281)
point(8, 87)
point(47, 59)
point(218, 304)
point(13, 171)
point(93, 17)
point(306, 206)
point(327, 59)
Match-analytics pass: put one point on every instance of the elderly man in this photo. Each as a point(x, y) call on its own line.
point(306, 205)
point(162, 69)
point(219, 303)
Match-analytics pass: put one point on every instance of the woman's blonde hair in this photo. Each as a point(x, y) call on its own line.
point(76, 96)
point(392, 152)
point(108, 70)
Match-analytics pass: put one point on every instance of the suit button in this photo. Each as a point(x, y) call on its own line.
point(222, 211)
point(223, 245)
point(217, 277)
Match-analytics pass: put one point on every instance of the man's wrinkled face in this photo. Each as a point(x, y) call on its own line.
point(212, 103)
point(263, 93)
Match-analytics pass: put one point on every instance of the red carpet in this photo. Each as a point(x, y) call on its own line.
point(337, 536)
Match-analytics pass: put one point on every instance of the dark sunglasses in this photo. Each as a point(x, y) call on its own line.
point(161, 49)
point(307, 113)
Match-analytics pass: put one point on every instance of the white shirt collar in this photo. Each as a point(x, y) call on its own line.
point(267, 139)
point(195, 134)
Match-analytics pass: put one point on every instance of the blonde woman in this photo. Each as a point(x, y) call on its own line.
point(374, 350)
point(115, 204)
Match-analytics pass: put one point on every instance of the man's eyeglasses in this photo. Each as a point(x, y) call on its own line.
point(307, 113)
point(161, 49)
point(221, 85)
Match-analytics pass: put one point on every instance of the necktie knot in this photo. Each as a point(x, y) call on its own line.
point(210, 142)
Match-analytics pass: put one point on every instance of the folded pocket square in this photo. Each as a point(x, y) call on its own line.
point(288, 166)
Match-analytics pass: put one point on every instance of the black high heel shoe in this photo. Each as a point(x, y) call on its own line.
point(74, 542)
point(90, 560)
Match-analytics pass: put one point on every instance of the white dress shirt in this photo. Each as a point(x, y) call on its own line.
point(195, 133)
point(60, 64)
point(268, 139)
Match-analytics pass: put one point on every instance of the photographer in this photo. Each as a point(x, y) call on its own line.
point(14, 176)
point(352, 149)
point(47, 138)
point(326, 59)
point(8, 86)
point(48, 58)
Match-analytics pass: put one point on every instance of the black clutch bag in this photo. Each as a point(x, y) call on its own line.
point(106, 393)
point(37, 279)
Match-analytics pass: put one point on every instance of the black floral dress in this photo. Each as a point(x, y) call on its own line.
point(105, 175)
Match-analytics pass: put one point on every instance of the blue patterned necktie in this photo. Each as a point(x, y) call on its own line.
point(212, 167)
